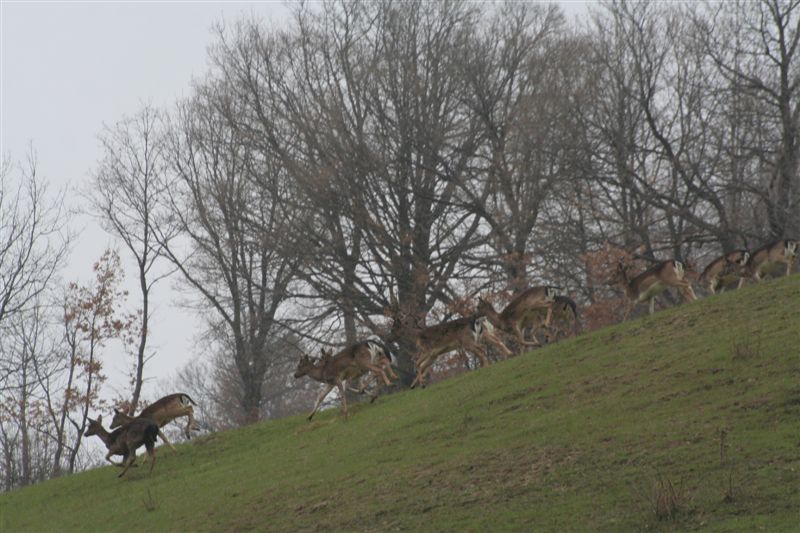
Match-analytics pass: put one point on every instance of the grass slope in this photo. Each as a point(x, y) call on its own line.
point(576, 436)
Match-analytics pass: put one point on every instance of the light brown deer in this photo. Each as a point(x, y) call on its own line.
point(522, 311)
point(769, 258)
point(725, 270)
point(652, 282)
point(462, 334)
point(350, 363)
point(162, 412)
point(126, 440)
point(382, 358)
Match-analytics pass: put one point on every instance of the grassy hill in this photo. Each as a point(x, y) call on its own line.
point(693, 413)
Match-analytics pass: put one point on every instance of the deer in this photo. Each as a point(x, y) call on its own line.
point(462, 334)
point(564, 312)
point(522, 311)
point(162, 412)
point(652, 282)
point(380, 356)
point(769, 258)
point(350, 363)
point(724, 270)
point(126, 439)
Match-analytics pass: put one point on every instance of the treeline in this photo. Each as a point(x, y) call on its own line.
point(371, 160)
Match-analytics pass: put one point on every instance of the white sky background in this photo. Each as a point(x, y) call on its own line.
point(66, 68)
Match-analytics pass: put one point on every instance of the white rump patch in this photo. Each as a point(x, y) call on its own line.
point(374, 350)
point(679, 270)
point(745, 258)
point(478, 326)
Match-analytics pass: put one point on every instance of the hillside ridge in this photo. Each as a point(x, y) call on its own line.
point(695, 408)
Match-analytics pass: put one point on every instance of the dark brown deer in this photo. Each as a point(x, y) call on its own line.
point(652, 282)
point(162, 412)
point(126, 440)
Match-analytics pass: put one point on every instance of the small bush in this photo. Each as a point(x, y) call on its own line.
point(665, 499)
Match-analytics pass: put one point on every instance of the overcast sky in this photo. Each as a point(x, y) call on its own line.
point(66, 68)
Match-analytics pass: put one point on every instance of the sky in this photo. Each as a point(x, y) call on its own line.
point(68, 68)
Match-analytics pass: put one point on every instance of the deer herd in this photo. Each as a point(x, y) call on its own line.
point(369, 362)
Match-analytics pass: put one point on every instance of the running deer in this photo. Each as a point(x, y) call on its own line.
point(350, 363)
point(724, 271)
point(462, 334)
point(522, 311)
point(769, 258)
point(381, 357)
point(162, 412)
point(564, 319)
point(126, 440)
point(652, 282)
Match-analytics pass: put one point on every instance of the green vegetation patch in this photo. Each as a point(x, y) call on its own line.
point(685, 420)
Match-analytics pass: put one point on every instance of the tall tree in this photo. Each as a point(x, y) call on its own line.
point(365, 107)
point(34, 238)
point(755, 46)
point(128, 194)
point(235, 218)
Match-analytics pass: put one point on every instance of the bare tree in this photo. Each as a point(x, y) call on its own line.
point(516, 89)
point(127, 193)
point(235, 218)
point(34, 240)
point(364, 105)
point(755, 47)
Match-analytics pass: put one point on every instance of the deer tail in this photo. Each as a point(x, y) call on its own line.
point(187, 397)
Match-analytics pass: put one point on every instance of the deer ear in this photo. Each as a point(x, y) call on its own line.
point(99, 418)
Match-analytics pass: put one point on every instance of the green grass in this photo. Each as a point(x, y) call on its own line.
point(574, 437)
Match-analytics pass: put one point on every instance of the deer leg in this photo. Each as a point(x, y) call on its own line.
point(127, 460)
point(481, 353)
point(151, 453)
point(421, 369)
point(378, 372)
point(690, 292)
point(319, 400)
point(168, 443)
point(191, 424)
point(521, 338)
point(491, 337)
point(386, 366)
point(108, 458)
point(417, 378)
point(343, 394)
point(549, 316)
point(652, 305)
point(712, 286)
point(373, 395)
